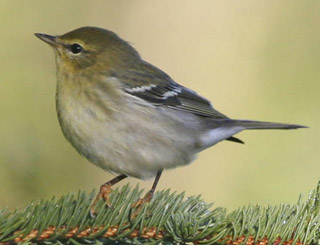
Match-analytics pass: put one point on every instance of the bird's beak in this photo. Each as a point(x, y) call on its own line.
point(51, 40)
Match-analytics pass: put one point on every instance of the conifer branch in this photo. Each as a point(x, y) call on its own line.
point(169, 218)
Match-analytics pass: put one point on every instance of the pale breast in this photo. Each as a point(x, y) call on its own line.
point(132, 137)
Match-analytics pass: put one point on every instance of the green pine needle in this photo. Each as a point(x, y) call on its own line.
point(169, 218)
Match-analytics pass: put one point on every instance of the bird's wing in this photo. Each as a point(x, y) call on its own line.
point(156, 87)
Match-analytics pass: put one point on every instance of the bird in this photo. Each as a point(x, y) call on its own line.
point(127, 116)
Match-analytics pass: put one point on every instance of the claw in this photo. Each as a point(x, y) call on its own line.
point(138, 205)
point(104, 193)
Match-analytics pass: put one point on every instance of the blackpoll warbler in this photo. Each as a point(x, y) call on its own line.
point(126, 115)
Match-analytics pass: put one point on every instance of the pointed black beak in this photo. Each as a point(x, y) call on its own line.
point(51, 40)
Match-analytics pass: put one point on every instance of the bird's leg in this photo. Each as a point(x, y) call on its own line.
point(105, 191)
point(147, 198)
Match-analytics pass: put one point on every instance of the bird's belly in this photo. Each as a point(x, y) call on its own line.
point(134, 144)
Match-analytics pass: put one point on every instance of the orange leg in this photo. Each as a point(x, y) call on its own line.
point(147, 198)
point(104, 193)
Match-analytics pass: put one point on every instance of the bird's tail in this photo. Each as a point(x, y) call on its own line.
point(247, 124)
point(224, 129)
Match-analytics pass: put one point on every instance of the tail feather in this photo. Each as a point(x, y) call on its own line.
point(224, 129)
point(246, 124)
point(234, 139)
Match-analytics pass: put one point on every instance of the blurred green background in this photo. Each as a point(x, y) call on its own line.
point(252, 59)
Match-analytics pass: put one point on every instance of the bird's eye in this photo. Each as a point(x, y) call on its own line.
point(76, 48)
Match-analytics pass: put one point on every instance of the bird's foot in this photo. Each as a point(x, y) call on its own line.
point(104, 193)
point(138, 205)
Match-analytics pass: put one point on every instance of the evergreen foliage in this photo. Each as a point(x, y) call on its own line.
point(169, 218)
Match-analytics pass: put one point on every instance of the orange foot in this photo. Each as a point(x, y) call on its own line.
point(104, 193)
point(138, 205)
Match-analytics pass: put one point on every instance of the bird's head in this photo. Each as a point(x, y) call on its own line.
point(90, 49)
